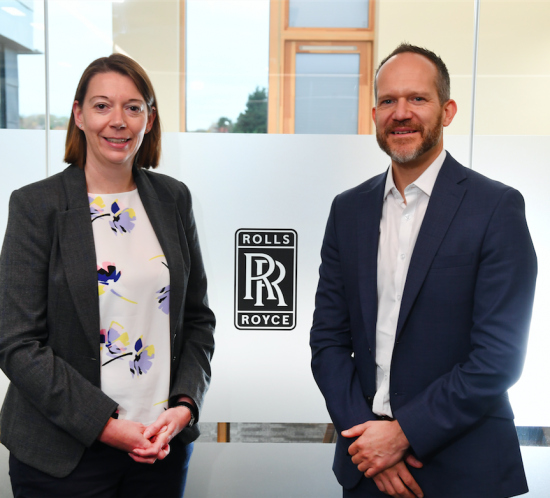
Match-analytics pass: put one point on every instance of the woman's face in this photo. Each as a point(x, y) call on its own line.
point(114, 119)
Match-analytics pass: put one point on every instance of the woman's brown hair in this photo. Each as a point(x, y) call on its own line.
point(148, 155)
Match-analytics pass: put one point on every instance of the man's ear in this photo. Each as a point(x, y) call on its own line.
point(450, 109)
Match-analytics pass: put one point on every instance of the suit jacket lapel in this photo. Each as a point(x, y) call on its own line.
point(368, 233)
point(76, 241)
point(164, 218)
point(446, 197)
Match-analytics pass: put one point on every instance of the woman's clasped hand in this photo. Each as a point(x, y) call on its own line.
point(146, 444)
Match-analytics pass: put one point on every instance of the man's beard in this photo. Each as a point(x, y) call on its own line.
point(430, 139)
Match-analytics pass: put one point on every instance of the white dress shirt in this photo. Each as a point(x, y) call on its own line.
point(399, 227)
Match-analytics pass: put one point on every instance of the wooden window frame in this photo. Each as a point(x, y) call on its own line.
point(284, 43)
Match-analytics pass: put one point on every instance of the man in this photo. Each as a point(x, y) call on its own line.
point(423, 307)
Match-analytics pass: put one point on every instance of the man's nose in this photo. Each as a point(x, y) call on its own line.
point(402, 110)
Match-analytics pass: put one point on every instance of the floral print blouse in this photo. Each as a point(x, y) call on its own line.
point(133, 283)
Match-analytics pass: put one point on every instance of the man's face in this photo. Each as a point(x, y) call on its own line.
point(408, 115)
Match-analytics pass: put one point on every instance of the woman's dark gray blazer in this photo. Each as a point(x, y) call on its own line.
point(49, 315)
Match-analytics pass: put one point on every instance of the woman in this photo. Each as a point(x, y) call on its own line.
point(105, 330)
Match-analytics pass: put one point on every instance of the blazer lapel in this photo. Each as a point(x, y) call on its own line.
point(446, 197)
point(76, 241)
point(164, 218)
point(368, 233)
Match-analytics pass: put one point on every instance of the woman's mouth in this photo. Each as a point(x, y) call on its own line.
point(117, 140)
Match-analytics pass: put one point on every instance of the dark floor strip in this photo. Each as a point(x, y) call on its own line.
point(324, 433)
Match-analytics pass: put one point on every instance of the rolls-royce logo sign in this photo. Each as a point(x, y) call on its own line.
point(265, 279)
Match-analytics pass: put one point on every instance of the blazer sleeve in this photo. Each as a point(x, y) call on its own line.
point(332, 362)
point(193, 373)
point(503, 300)
point(57, 390)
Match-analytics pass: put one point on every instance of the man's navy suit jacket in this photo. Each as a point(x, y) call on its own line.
point(461, 334)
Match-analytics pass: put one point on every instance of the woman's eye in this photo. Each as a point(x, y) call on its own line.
point(134, 108)
point(101, 107)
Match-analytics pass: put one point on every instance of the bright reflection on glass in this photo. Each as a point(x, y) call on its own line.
point(327, 93)
point(13, 11)
point(80, 31)
point(227, 53)
point(328, 14)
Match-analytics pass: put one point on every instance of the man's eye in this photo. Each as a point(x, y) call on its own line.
point(418, 99)
point(387, 101)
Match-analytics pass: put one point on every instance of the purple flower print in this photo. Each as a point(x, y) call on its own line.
point(164, 299)
point(115, 341)
point(106, 272)
point(97, 208)
point(123, 219)
point(142, 361)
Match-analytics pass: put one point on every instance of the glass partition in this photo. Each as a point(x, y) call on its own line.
point(287, 67)
point(511, 143)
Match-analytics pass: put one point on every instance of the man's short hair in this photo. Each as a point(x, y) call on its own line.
point(443, 80)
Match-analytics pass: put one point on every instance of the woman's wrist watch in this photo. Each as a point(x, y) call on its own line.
point(192, 409)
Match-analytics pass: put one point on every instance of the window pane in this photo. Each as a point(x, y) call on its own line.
point(328, 14)
point(327, 93)
point(227, 49)
point(21, 64)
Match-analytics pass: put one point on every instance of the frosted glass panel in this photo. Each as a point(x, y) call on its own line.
point(327, 93)
point(328, 14)
point(523, 163)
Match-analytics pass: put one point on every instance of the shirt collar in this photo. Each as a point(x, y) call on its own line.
point(425, 181)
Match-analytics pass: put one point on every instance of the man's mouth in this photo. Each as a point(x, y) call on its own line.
point(408, 132)
point(117, 140)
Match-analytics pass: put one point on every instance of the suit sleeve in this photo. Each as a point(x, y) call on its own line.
point(503, 300)
point(193, 374)
point(54, 387)
point(332, 362)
